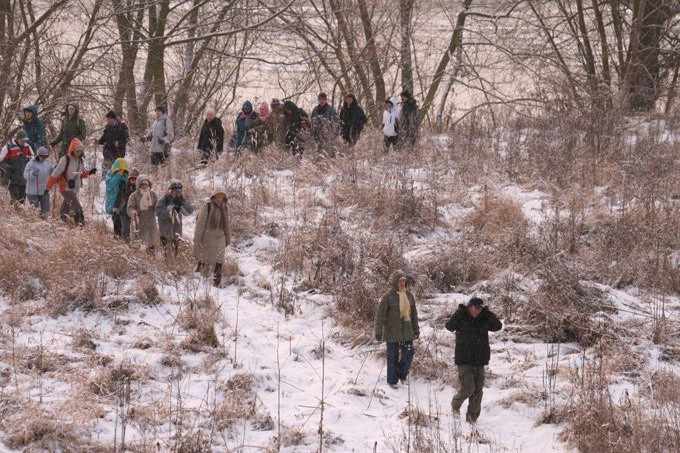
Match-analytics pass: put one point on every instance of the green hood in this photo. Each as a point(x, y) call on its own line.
point(247, 105)
point(394, 280)
point(33, 109)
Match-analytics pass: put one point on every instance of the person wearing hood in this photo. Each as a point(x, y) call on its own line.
point(115, 137)
point(69, 173)
point(294, 120)
point(212, 235)
point(211, 137)
point(264, 111)
point(128, 189)
point(353, 119)
point(396, 323)
point(170, 211)
point(34, 127)
point(389, 125)
point(72, 126)
point(324, 121)
point(36, 174)
point(162, 136)
point(116, 180)
point(245, 122)
point(141, 208)
point(472, 324)
point(408, 120)
point(13, 159)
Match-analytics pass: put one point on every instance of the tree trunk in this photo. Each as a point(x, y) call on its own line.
point(405, 12)
point(373, 62)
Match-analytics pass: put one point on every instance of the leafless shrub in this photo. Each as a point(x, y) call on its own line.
point(147, 293)
point(104, 381)
point(598, 422)
point(198, 318)
point(498, 220)
point(239, 403)
point(457, 263)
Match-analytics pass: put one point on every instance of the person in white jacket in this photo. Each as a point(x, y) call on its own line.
point(162, 136)
point(389, 125)
point(36, 174)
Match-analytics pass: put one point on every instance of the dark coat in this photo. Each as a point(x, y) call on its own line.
point(324, 122)
point(35, 129)
point(170, 212)
point(71, 127)
point(472, 335)
point(211, 136)
point(353, 120)
point(117, 132)
point(294, 117)
point(408, 120)
point(14, 160)
point(389, 325)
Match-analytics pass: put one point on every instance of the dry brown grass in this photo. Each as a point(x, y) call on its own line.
point(198, 317)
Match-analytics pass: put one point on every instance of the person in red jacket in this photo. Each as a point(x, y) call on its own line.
point(13, 159)
point(69, 173)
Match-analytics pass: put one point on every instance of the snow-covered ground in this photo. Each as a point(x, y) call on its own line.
point(273, 372)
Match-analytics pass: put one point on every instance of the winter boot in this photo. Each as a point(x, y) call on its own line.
point(218, 275)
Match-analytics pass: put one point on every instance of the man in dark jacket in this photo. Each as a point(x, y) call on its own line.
point(472, 324)
point(353, 119)
point(294, 120)
point(324, 122)
point(115, 138)
point(72, 126)
point(408, 120)
point(34, 127)
point(396, 323)
point(211, 137)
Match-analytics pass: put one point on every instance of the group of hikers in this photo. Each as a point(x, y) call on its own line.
point(139, 213)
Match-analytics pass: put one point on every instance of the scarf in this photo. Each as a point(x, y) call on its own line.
point(146, 202)
point(217, 218)
point(404, 306)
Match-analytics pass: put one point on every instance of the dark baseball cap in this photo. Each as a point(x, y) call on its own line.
point(476, 302)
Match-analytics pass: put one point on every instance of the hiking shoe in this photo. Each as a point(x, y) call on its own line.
point(404, 380)
point(394, 386)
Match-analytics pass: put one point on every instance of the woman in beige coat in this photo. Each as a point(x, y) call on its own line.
point(142, 210)
point(212, 235)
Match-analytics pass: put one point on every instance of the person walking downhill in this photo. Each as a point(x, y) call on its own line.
point(116, 180)
point(212, 235)
point(353, 119)
point(294, 119)
point(472, 324)
point(13, 158)
point(141, 208)
point(36, 174)
point(211, 137)
point(72, 126)
point(389, 125)
point(128, 189)
point(324, 123)
point(408, 121)
point(170, 211)
point(162, 136)
point(114, 139)
point(396, 323)
point(69, 173)
point(34, 127)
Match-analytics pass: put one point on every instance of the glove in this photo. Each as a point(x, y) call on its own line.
point(170, 208)
point(378, 337)
point(93, 171)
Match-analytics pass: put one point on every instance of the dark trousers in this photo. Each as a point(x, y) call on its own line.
point(17, 193)
point(390, 141)
point(40, 201)
point(217, 272)
point(399, 358)
point(71, 210)
point(471, 379)
point(121, 225)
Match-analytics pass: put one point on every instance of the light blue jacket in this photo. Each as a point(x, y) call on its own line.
point(36, 174)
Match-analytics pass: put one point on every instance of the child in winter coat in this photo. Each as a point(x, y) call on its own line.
point(212, 234)
point(69, 173)
point(389, 125)
point(170, 211)
point(141, 209)
point(36, 174)
point(116, 180)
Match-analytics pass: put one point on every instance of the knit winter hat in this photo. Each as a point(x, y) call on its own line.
point(134, 173)
point(42, 151)
point(21, 135)
point(405, 94)
point(210, 111)
point(323, 95)
point(111, 114)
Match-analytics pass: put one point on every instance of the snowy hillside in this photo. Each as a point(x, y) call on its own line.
point(104, 347)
